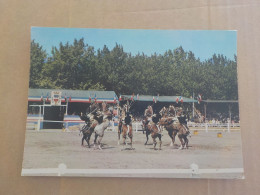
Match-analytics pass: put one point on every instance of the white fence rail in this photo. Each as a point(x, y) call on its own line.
point(138, 126)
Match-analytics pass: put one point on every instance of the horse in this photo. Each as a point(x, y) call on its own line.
point(164, 112)
point(120, 124)
point(171, 111)
point(127, 129)
point(99, 130)
point(91, 121)
point(148, 113)
point(152, 128)
point(175, 127)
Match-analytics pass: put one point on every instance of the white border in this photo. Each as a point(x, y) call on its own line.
point(193, 172)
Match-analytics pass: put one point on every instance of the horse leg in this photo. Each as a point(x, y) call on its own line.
point(154, 143)
point(118, 140)
point(82, 141)
point(99, 142)
point(130, 135)
point(160, 141)
point(119, 132)
point(147, 134)
point(87, 139)
point(171, 138)
point(186, 142)
point(181, 140)
point(173, 135)
point(95, 140)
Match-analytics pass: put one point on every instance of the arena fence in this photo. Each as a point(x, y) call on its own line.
point(137, 126)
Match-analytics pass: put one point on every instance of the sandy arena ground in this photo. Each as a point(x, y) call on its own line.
point(47, 149)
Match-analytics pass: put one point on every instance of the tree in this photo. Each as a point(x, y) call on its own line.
point(176, 72)
point(38, 59)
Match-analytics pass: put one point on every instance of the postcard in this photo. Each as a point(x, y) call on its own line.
point(133, 103)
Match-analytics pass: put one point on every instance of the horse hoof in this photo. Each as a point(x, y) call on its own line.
point(180, 148)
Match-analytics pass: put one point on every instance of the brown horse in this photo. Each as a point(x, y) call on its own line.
point(91, 121)
point(151, 128)
point(175, 127)
point(119, 131)
point(127, 129)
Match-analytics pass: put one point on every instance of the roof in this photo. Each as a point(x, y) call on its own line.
point(74, 95)
point(220, 101)
point(150, 98)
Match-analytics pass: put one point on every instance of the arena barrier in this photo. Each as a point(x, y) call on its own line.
point(137, 126)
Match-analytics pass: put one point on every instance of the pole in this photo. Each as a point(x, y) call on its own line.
point(39, 120)
point(205, 110)
point(40, 112)
point(43, 108)
point(67, 107)
point(193, 104)
point(229, 110)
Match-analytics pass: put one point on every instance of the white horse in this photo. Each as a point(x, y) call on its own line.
point(99, 130)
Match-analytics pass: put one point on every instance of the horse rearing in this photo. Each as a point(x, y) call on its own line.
point(127, 129)
point(151, 127)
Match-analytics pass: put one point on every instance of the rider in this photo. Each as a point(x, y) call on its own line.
point(183, 120)
point(172, 111)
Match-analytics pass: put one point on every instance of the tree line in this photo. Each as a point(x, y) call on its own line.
point(79, 66)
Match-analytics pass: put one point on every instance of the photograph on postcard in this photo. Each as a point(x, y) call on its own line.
point(133, 103)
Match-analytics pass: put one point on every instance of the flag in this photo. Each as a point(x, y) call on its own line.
point(137, 97)
point(115, 99)
point(95, 98)
point(157, 98)
point(177, 100)
point(41, 98)
point(89, 98)
point(70, 99)
point(153, 99)
point(132, 97)
point(47, 98)
point(181, 99)
point(199, 98)
point(120, 98)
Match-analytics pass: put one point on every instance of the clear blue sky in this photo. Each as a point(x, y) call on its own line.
point(202, 43)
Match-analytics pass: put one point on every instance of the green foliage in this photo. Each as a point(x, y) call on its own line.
point(176, 72)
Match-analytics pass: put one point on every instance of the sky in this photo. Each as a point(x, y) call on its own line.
point(202, 43)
